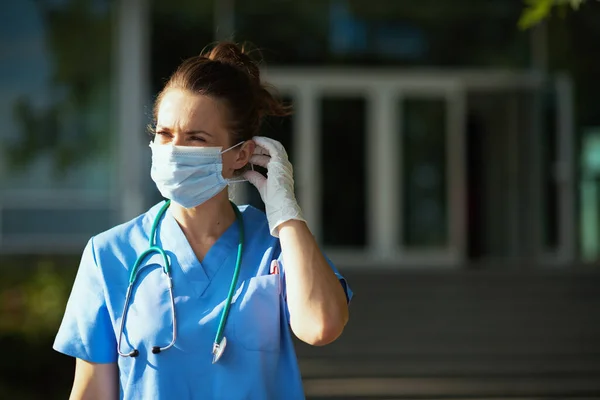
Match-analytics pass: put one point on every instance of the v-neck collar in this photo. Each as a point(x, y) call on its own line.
point(198, 274)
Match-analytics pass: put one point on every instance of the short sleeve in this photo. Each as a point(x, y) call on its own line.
point(342, 280)
point(86, 331)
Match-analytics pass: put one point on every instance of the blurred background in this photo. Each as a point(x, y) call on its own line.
point(447, 158)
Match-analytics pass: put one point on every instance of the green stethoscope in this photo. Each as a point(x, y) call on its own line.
point(220, 340)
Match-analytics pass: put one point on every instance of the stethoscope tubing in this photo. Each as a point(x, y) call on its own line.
point(153, 249)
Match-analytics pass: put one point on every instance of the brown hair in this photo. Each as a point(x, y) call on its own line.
point(227, 73)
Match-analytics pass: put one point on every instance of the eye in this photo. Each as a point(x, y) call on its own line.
point(163, 136)
point(197, 139)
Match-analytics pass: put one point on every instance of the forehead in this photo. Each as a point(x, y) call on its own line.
point(185, 111)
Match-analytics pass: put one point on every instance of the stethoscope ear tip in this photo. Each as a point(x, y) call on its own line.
point(134, 353)
point(155, 349)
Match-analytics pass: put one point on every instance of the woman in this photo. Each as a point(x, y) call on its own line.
point(209, 317)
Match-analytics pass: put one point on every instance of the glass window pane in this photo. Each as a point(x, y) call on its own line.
point(343, 129)
point(425, 216)
point(501, 183)
point(179, 29)
point(589, 189)
point(550, 205)
point(54, 109)
point(379, 32)
point(305, 25)
point(79, 221)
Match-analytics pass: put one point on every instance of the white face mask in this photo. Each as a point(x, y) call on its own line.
point(188, 175)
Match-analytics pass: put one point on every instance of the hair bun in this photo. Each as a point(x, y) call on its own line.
point(232, 54)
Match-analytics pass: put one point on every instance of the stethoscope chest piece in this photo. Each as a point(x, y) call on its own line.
point(218, 349)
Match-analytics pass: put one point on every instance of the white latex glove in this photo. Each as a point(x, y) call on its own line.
point(277, 190)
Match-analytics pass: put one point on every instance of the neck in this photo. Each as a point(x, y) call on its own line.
point(207, 221)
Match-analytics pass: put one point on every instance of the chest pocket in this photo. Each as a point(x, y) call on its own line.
point(256, 314)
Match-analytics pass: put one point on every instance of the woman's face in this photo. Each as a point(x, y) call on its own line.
point(187, 119)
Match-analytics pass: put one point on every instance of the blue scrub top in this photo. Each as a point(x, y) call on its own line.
point(259, 361)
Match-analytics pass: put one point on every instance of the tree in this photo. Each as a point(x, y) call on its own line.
point(538, 10)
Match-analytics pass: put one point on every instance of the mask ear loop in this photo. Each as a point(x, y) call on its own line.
point(240, 180)
point(233, 147)
point(251, 166)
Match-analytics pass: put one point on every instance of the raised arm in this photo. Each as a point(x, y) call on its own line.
point(316, 299)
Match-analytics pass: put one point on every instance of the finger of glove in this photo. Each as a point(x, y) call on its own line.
point(274, 148)
point(280, 167)
point(256, 179)
point(259, 150)
point(260, 160)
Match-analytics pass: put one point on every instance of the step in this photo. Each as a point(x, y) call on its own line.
point(512, 387)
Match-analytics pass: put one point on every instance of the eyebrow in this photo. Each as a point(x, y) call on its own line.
point(165, 129)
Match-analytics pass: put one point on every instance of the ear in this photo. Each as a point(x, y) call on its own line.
point(244, 154)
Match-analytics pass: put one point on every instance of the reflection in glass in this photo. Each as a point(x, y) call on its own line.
point(54, 79)
point(425, 217)
point(590, 196)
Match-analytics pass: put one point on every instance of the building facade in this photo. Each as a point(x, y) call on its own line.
point(446, 162)
point(405, 154)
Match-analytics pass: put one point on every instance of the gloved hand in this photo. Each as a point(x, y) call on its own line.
point(277, 190)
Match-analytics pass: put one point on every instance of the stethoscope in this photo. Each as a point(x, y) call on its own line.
point(220, 340)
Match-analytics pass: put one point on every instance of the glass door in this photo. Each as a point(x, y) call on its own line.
point(379, 164)
point(431, 175)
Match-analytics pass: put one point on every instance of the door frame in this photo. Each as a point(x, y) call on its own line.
point(382, 89)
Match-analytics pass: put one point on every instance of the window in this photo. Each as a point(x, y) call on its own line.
point(425, 218)
point(56, 140)
point(383, 32)
point(344, 190)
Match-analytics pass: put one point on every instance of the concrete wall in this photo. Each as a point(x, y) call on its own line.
point(470, 333)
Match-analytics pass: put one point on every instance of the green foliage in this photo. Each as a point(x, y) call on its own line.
point(538, 10)
point(33, 295)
